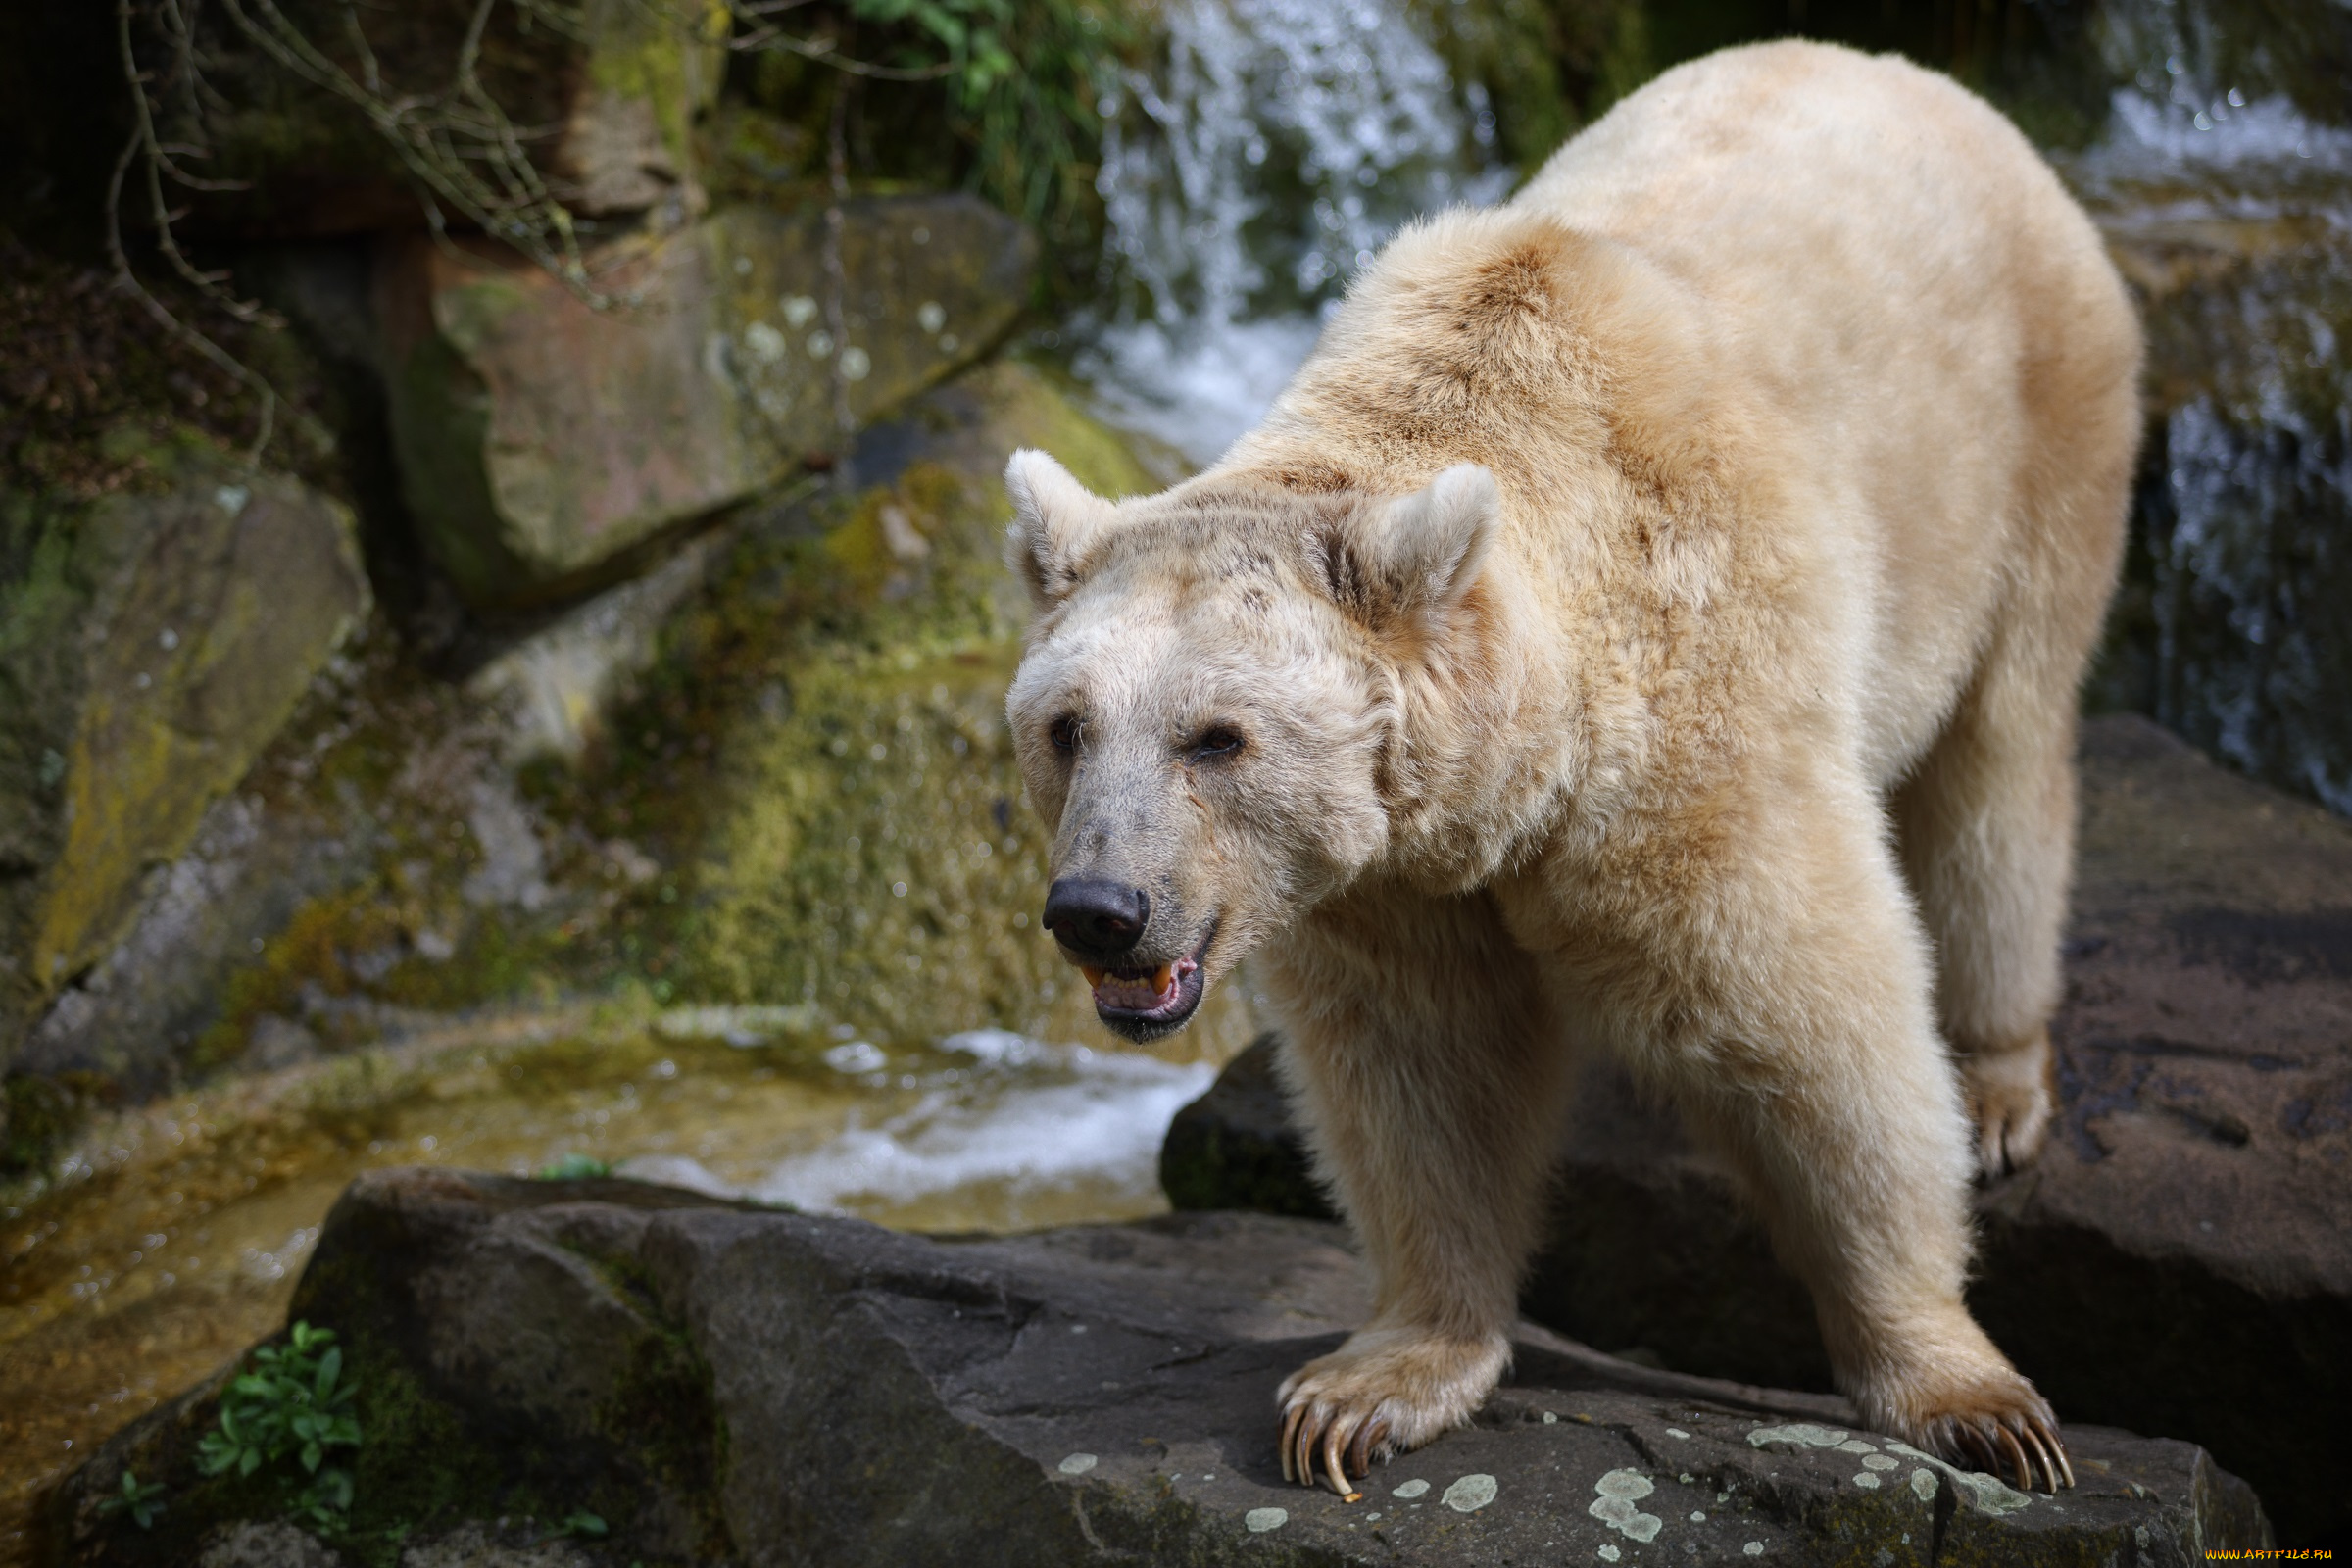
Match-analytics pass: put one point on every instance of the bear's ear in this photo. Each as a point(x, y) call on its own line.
point(1056, 523)
point(1415, 556)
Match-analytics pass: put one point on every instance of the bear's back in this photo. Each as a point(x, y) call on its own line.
point(1883, 262)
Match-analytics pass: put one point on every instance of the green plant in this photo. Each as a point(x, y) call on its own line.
point(583, 1524)
point(1024, 81)
point(574, 1167)
point(295, 1404)
point(142, 1501)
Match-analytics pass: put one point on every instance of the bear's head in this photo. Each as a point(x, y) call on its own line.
point(1207, 714)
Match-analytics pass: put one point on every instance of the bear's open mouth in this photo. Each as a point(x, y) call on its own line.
point(1143, 1002)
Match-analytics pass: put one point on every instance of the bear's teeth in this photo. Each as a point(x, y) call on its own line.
point(1140, 993)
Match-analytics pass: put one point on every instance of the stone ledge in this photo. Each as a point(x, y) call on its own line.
point(1093, 1395)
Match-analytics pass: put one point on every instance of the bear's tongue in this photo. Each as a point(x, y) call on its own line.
point(1132, 989)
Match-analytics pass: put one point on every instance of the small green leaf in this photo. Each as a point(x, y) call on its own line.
point(330, 1367)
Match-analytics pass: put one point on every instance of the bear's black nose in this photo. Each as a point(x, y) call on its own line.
point(1096, 920)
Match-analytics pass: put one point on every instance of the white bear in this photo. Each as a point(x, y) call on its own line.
point(1651, 622)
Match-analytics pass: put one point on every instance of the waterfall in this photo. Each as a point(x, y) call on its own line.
point(1246, 175)
point(2231, 213)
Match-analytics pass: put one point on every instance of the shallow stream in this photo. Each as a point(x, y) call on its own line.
point(175, 1239)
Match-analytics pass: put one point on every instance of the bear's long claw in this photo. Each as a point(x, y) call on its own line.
point(2017, 1457)
point(2041, 1475)
point(1335, 1436)
point(1290, 1430)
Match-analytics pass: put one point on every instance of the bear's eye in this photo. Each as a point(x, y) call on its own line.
point(1217, 741)
point(1066, 733)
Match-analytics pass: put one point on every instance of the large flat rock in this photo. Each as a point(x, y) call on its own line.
point(541, 440)
point(2179, 1261)
point(752, 1385)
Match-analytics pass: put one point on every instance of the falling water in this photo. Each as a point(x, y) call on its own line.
point(2231, 214)
point(1246, 176)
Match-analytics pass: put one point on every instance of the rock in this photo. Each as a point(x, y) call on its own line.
point(540, 440)
point(1234, 1147)
point(555, 686)
point(866, 850)
point(150, 646)
point(2179, 1261)
point(750, 1385)
point(606, 93)
point(2227, 631)
point(251, 1544)
point(274, 1041)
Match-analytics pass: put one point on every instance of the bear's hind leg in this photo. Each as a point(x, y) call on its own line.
point(1784, 1004)
point(1429, 1089)
point(1987, 825)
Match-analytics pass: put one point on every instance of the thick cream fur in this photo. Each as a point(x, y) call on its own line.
point(1720, 716)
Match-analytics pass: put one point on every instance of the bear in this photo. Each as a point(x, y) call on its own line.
point(1650, 621)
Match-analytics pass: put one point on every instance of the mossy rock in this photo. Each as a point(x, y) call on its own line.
point(2229, 627)
point(868, 848)
point(544, 442)
point(151, 644)
point(609, 91)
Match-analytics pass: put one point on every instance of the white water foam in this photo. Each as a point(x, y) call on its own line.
point(2160, 134)
point(1102, 1124)
point(1244, 178)
point(1021, 1121)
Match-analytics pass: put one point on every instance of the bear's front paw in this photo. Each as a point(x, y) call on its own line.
point(1382, 1392)
point(2010, 1094)
point(1993, 1421)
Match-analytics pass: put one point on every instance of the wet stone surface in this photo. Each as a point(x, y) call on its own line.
point(1102, 1393)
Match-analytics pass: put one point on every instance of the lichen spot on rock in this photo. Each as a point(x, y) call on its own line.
point(931, 315)
point(1802, 1433)
point(1678, 1432)
point(1261, 1520)
point(1078, 1464)
point(1610, 1553)
point(1881, 1461)
point(1410, 1490)
point(1866, 1481)
point(1619, 1490)
point(1470, 1493)
point(764, 342)
point(1923, 1485)
point(1754, 1548)
point(1857, 1445)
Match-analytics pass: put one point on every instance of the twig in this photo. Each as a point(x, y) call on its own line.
point(837, 319)
point(141, 145)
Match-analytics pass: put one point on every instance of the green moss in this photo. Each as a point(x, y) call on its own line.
point(1548, 67)
point(670, 56)
point(38, 1115)
point(665, 1415)
point(419, 1465)
point(869, 854)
